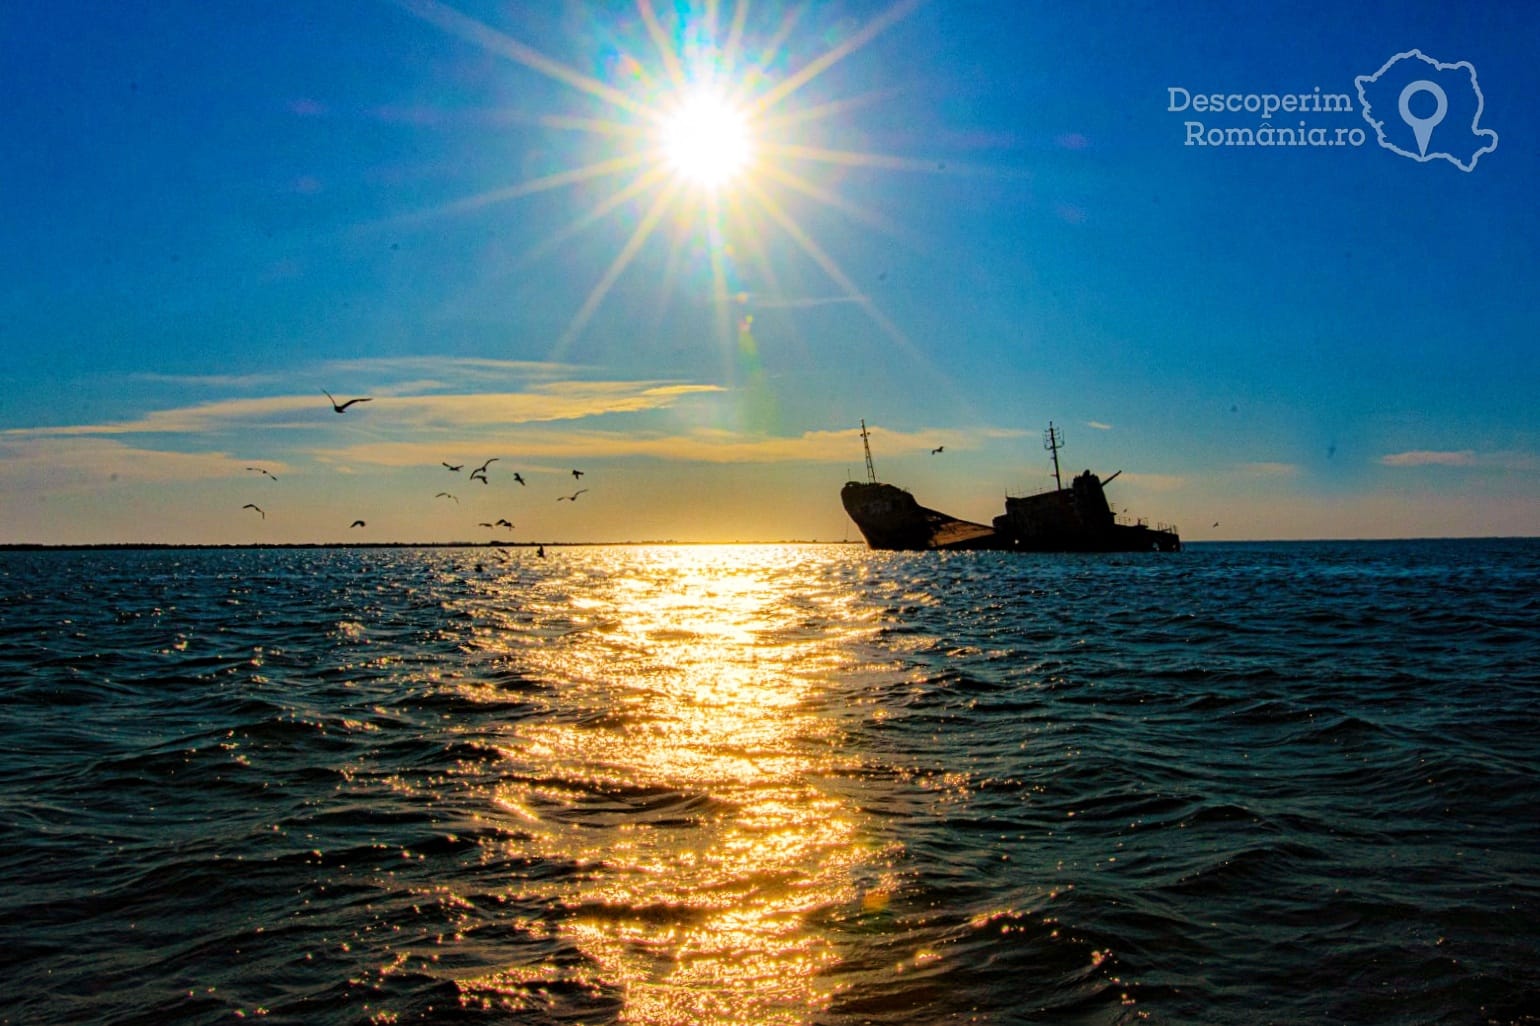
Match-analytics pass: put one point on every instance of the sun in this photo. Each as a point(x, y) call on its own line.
point(701, 131)
point(706, 140)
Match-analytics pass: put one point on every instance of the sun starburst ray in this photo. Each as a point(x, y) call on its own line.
point(883, 21)
point(852, 158)
point(617, 267)
point(833, 200)
point(735, 37)
point(671, 65)
point(754, 240)
point(719, 295)
point(758, 72)
point(816, 252)
point(642, 183)
point(595, 126)
point(772, 124)
point(556, 180)
point(452, 21)
point(682, 226)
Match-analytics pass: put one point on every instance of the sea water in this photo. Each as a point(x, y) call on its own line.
point(1267, 783)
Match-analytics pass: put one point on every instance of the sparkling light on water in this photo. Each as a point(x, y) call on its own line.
point(692, 725)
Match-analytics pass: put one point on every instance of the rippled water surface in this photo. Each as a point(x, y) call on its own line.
point(1294, 783)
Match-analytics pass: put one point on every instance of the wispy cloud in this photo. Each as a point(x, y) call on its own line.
point(764, 302)
point(226, 381)
point(556, 401)
point(76, 462)
point(703, 445)
point(1265, 468)
point(1430, 458)
point(1156, 482)
point(1098, 425)
point(1506, 459)
point(391, 375)
point(201, 418)
point(368, 371)
point(562, 400)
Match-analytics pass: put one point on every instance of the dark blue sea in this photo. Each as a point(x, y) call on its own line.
point(1242, 784)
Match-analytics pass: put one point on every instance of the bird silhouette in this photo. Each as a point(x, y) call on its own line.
point(503, 522)
point(454, 468)
point(358, 523)
point(572, 497)
point(483, 523)
point(577, 475)
point(483, 468)
point(479, 475)
point(519, 478)
point(262, 470)
point(939, 448)
point(343, 407)
point(446, 495)
point(252, 505)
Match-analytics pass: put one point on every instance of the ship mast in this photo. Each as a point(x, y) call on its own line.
point(871, 474)
point(1053, 438)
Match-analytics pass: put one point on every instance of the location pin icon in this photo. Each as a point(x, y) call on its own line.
point(1422, 128)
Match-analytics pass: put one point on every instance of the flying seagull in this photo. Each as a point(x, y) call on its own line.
point(483, 468)
point(939, 448)
point(252, 505)
point(446, 495)
point(483, 523)
point(454, 468)
point(343, 407)
point(503, 522)
point(358, 523)
point(576, 474)
point(262, 470)
point(517, 477)
point(572, 497)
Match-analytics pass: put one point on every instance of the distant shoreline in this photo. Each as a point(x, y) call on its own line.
point(161, 546)
point(228, 546)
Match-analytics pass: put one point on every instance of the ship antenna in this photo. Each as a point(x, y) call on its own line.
point(1053, 439)
point(871, 474)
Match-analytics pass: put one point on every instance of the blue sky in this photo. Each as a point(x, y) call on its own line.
point(960, 221)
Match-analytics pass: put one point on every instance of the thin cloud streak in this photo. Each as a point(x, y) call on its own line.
point(572, 400)
point(1499, 460)
point(1265, 468)
point(1430, 458)
point(764, 302)
point(703, 445)
point(198, 419)
point(90, 462)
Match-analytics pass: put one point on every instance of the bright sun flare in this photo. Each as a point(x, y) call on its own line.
point(706, 140)
point(726, 125)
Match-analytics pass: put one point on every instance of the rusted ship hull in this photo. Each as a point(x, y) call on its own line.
point(890, 518)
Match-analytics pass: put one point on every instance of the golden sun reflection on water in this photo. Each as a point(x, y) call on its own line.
point(679, 768)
